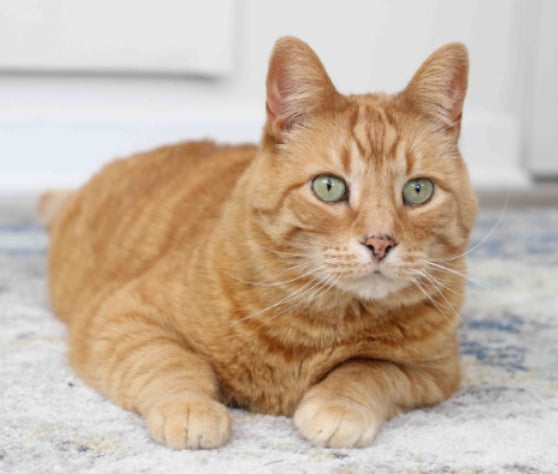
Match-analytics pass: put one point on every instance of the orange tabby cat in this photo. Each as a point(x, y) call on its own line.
point(316, 275)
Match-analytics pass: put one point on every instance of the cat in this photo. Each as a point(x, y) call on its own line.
point(318, 274)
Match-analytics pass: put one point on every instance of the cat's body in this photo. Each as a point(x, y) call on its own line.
point(198, 274)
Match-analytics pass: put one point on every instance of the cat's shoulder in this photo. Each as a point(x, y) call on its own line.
point(170, 160)
point(189, 150)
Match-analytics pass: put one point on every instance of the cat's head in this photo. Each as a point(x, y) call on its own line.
point(366, 193)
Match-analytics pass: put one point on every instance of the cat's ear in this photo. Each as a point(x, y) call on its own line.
point(297, 85)
point(438, 88)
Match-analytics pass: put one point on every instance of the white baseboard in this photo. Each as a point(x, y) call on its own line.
point(64, 152)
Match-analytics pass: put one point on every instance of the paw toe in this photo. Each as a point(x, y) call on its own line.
point(190, 422)
point(336, 423)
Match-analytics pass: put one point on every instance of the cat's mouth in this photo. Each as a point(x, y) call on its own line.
point(373, 284)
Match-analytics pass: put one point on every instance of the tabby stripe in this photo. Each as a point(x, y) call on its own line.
point(354, 123)
point(392, 125)
point(122, 355)
point(346, 160)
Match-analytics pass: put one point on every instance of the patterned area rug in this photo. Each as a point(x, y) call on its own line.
point(504, 418)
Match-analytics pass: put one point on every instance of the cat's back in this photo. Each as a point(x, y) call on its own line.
point(133, 212)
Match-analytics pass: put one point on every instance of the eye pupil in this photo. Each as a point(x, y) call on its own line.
point(329, 188)
point(418, 191)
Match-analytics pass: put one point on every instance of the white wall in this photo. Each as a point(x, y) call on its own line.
point(55, 130)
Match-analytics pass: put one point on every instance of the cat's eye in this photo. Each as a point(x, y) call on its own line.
point(418, 191)
point(329, 188)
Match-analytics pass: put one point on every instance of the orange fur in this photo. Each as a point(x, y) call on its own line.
point(199, 275)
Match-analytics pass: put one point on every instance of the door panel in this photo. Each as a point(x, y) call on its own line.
point(163, 36)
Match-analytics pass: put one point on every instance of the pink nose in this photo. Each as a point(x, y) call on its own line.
point(380, 245)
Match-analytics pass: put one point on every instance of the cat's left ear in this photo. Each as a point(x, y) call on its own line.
point(438, 88)
point(297, 86)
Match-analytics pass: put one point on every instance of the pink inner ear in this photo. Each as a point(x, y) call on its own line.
point(457, 90)
point(275, 107)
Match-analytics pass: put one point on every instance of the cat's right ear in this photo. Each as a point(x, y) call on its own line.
point(297, 85)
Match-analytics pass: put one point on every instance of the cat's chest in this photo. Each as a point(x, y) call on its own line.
point(274, 381)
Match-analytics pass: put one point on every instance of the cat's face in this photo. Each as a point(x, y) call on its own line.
point(367, 194)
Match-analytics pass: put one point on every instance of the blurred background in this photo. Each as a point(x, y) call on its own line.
point(82, 82)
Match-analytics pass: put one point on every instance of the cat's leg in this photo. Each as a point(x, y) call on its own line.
point(347, 408)
point(129, 353)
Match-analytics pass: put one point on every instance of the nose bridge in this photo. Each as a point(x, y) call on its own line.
point(375, 206)
point(376, 217)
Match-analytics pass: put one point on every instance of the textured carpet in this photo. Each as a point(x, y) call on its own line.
point(504, 418)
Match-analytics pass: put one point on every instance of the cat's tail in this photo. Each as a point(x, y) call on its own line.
point(49, 205)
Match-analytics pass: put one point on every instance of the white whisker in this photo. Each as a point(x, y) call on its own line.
point(416, 282)
point(324, 286)
point(484, 239)
point(447, 269)
point(444, 268)
point(307, 273)
point(437, 282)
point(302, 290)
point(447, 306)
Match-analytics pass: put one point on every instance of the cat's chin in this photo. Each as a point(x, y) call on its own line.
point(375, 286)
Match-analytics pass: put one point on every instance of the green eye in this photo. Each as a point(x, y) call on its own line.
point(329, 188)
point(418, 191)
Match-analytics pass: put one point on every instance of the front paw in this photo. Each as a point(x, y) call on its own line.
point(190, 421)
point(335, 422)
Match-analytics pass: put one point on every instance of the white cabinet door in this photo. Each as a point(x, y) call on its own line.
point(542, 137)
point(132, 36)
